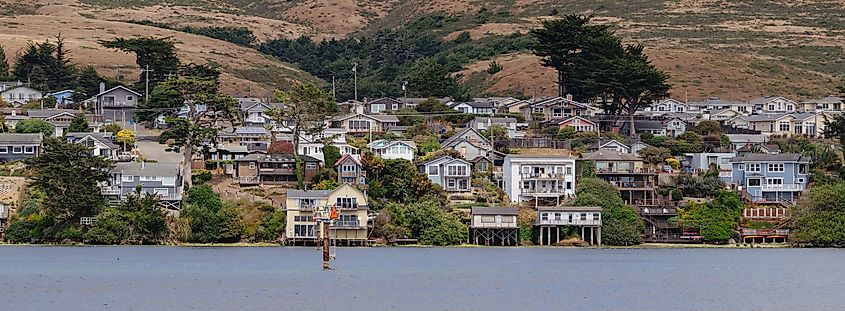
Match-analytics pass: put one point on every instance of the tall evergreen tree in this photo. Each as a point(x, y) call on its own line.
point(159, 54)
point(78, 124)
point(4, 66)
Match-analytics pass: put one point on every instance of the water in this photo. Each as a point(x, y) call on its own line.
point(228, 278)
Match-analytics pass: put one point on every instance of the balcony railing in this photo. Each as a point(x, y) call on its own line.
point(658, 211)
point(283, 171)
point(782, 187)
point(494, 225)
point(765, 232)
point(554, 176)
point(632, 184)
point(110, 190)
point(254, 180)
point(543, 191)
point(645, 170)
point(766, 213)
point(347, 224)
point(351, 206)
point(567, 222)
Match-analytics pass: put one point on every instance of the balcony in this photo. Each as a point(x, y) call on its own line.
point(568, 222)
point(549, 176)
point(494, 225)
point(557, 191)
point(110, 190)
point(347, 224)
point(782, 187)
point(349, 207)
point(633, 184)
point(615, 170)
point(249, 180)
point(277, 171)
point(765, 232)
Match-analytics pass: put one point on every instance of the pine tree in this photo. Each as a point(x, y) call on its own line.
point(4, 66)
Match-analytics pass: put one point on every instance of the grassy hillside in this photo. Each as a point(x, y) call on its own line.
point(730, 49)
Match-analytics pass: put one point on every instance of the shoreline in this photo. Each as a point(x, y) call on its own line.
point(267, 244)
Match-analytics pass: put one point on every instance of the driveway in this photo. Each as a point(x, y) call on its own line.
point(147, 143)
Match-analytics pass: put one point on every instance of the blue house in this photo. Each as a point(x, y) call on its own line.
point(771, 177)
point(63, 98)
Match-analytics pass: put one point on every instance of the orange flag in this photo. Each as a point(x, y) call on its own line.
point(334, 212)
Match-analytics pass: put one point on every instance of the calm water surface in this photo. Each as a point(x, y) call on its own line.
point(228, 278)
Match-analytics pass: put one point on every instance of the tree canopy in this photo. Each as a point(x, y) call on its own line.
point(35, 126)
point(620, 223)
point(159, 54)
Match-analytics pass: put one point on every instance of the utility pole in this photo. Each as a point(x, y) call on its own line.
point(405, 88)
point(334, 89)
point(146, 71)
point(355, 78)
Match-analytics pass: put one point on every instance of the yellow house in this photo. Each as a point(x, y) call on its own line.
point(350, 228)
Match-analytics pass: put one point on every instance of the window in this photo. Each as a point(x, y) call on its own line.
point(130, 98)
point(774, 181)
point(450, 184)
point(583, 216)
point(310, 165)
point(544, 216)
point(557, 112)
point(456, 170)
point(17, 150)
point(303, 218)
point(754, 167)
point(801, 180)
point(568, 170)
point(783, 126)
point(754, 182)
point(4, 150)
point(776, 167)
point(29, 150)
point(488, 219)
point(432, 170)
point(538, 109)
point(771, 107)
point(347, 202)
point(252, 165)
point(149, 178)
point(741, 167)
point(304, 231)
point(128, 178)
point(596, 216)
point(568, 185)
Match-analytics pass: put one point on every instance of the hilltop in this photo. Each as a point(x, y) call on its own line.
point(711, 48)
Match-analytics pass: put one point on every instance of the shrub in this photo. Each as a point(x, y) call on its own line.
point(200, 177)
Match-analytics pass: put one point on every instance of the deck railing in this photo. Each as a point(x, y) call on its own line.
point(347, 224)
point(567, 222)
point(782, 187)
point(494, 225)
point(765, 232)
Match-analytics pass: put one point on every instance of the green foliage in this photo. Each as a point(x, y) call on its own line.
point(34, 126)
point(566, 133)
point(425, 220)
point(409, 117)
point(331, 154)
point(201, 176)
point(203, 210)
point(655, 155)
point(707, 127)
point(159, 54)
point(4, 65)
point(231, 224)
point(699, 186)
point(587, 170)
point(237, 35)
point(274, 225)
point(494, 68)
point(717, 220)
point(78, 124)
point(620, 223)
point(820, 217)
point(428, 78)
point(431, 105)
point(836, 129)
point(137, 220)
point(29, 224)
point(46, 66)
point(324, 179)
point(498, 133)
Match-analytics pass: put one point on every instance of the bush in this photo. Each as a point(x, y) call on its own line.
point(620, 223)
point(200, 177)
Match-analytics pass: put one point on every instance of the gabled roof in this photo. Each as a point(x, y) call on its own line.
point(458, 137)
point(475, 104)
point(118, 87)
point(383, 118)
point(610, 155)
point(764, 100)
point(826, 100)
point(495, 121)
point(20, 87)
point(60, 92)
point(648, 125)
point(50, 113)
point(384, 143)
point(353, 157)
point(766, 117)
point(102, 137)
point(386, 100)
point(20, 138)
point(444, 160)
point(251, 130)
point(575, 117)
point(559, 100)
point(765, 157)
point(478, 210)
point(247, 105)
point(308, 194)
point(601, 143)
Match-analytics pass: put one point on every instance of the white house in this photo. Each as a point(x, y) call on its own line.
point(20, 94)
point(398, 149)
point(775, 104)
point(540, 178)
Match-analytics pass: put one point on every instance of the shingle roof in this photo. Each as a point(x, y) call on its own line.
point(765, 117)
point(46, 113)
point(251, 130)
point(648, 125)
point(146, 169)
point(459, 136)
point(276, 158)
point(478, 210)
point(611, 155)
point(20, 138)
point(765, 157)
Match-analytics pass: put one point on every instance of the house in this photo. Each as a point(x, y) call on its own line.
point(517, 106)
point(558, 108)
point(722, 114)
point(481, 124)
point(768, 124)
point(350, 170)
point(828, 103)
point(20, 94)
point(637, 183)
point(163, 180)
point(637, 146)
point(538, 178)
point(758, 148)
point(255, 113)
point(225, 155)
point(580, 124)
point(397, 149)
point(810, 124)
point(668, 105)
point(611, 144)
point(360, 123)
point(674, 127)
point(117, 103)
point(253, 137)
point(312, 145)
point(61, 119)
point(454, 175)
point(19, 146)
point(702, 162)
point(100, 142)
point(771, 177)
point(494, 226)
point(398, 130)
point(714, 104)
point(303, 206)
point(63, 98)
point(586, 220)
point(382, 105)
point(774, 104)
point(259, 168)
point(476, 106)
point(469, 143)
point(654, 127)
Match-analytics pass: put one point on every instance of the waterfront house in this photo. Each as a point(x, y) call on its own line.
point(161, 179)
point(637, 183)
point(828, 103)
point(19, 146)
point(586, 219)
point(350, 170)
point(494, 226)
point(397, 149)
point(453, 174)
point(303, 206)
point(469, 143)
point(261, 168)
point(766, 178)
point(101, 143)
point(538, 178)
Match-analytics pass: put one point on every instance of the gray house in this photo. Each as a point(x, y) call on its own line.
point(454, 175)
point(117, 103)
point(164, 180)
point(19, 146)
point(100, 142)
point(469, 143)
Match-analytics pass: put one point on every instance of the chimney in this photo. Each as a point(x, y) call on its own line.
point(568, 96)
point(102, 87)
